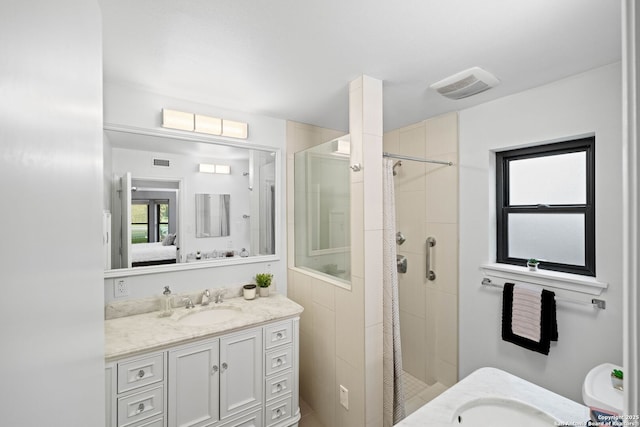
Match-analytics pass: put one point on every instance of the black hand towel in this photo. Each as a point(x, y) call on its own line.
point(548, 326)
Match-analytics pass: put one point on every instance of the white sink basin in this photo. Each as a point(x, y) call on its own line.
point(209, 316)
point(497, 412)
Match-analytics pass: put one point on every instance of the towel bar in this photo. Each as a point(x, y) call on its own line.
point(596, 302)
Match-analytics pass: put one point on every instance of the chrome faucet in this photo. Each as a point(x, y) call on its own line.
point(189, 303)
point(219, 297)
point(206, 296)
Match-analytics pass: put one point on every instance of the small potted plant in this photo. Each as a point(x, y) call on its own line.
point(263, 280)
point(533, 263)
point(616, 379)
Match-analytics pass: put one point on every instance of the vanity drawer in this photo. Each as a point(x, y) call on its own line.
point(277, 412)
point(140, 406)
point(278, 334)
point(154, 423)
point(278, 360)
point(248, 420)
point(278, 386)
point(140, 372)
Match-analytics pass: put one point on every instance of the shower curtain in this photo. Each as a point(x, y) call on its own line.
point(393, 390)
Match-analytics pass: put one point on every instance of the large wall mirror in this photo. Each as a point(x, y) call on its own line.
point(174, 201)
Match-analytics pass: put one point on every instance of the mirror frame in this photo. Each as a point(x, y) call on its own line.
point(222, 262)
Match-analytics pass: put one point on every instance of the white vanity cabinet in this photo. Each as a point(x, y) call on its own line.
point(248, 378)
point(215, 379)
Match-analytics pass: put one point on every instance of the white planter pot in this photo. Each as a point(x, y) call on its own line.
point(264, 292)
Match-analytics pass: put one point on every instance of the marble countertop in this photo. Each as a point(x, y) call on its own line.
point(126, 336)
point(495, 383)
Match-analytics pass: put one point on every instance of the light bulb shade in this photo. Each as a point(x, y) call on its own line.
point(224, 169)
point(207, 168)
point(209, 125)
point(234, 129)
point(173, 119)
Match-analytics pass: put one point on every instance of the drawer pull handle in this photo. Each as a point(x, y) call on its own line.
point(141, 373)
point(279, 362)
point(279, 335)
point(214, 369)
point(224, 367)
point(140, 408)
point(278, 387)
point(278, 413)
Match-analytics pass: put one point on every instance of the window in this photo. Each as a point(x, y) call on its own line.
point(162, 222)
point(546, 206)
point(139, 222)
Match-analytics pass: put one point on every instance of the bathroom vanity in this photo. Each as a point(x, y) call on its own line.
point(226, 365)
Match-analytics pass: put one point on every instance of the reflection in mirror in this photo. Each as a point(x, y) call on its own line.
point(322, 208)
point(151, 231)
point(155, 215)
point(212, 215)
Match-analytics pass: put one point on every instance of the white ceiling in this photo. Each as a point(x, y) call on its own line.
point(293, 59)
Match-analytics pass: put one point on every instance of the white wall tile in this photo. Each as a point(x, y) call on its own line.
point(412, 336)
point(352, 378)
point(444, 256)
point(357, 232)
point(350, 323)
point(441, 191)
point(373, 276)
point(412, 286)
point(323, 293)
point(447, 327)
point(372, 106)
point(442, 134)
point(373, 374)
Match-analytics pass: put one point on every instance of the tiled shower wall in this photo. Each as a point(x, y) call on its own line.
point(341, 329)
point(331, 327)
point(427, 205)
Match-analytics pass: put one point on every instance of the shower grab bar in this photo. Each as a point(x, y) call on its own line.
point(431, 242)
point(596, 302)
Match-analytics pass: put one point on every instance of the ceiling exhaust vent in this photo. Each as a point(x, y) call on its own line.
point(465, 83)
point(161, 163)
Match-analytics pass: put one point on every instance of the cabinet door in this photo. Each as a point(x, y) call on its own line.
point(240, 372)
point(193, 395)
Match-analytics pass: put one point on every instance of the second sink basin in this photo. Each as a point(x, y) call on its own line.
point(209, 316)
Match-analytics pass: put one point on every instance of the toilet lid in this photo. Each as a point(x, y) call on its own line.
point(598, 392)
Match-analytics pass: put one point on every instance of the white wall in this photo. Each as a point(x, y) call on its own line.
point(129, 106)
point(585, 103)
point(51, 305)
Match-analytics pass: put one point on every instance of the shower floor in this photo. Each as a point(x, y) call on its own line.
point(417, 393)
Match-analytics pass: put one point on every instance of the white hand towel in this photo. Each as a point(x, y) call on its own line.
point(527, 311)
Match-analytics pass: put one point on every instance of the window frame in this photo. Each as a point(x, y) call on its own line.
point(157, 204)
point(503, 209)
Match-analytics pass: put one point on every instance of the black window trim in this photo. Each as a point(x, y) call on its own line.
point(586, 144)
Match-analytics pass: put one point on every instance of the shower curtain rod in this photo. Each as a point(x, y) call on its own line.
point(415, 159)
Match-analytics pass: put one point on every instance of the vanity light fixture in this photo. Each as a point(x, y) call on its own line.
point(211, 168)
point(210, 125)
point(223, 169)
point(173, 119)
point(207, 168)
point(234, 129)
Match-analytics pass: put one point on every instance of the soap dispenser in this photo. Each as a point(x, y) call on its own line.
point(166, 308)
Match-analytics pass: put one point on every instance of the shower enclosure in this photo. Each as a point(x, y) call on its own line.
point(426, 198)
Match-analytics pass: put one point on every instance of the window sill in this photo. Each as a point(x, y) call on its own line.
point(546, 278)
